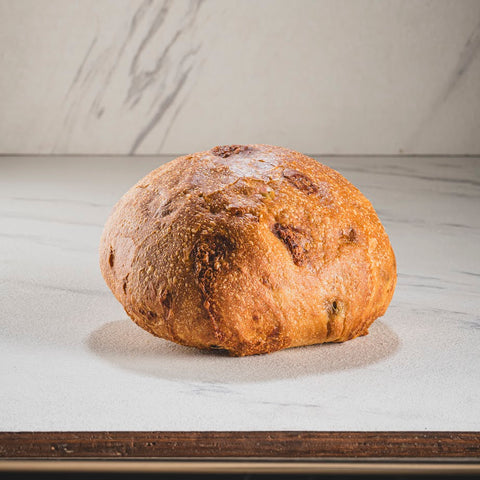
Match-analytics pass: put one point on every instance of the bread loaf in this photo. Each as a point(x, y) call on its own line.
point(248, 249)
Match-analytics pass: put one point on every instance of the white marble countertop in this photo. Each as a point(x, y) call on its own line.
point(70, 359)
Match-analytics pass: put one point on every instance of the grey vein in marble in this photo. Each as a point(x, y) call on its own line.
point(152, 87)
point(470, 273)
point(40, 218)
point(142, 80)
point(164, 106)
point(142, 10)
point(56, 200)
point(82, 65)
point(465, 59)
point(60, 289)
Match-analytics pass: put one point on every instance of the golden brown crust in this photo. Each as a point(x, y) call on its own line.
point(248, 249)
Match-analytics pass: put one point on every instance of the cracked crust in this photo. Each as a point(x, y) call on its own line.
point(247, 250)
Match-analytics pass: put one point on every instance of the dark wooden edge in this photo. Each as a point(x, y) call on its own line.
point(240, 444)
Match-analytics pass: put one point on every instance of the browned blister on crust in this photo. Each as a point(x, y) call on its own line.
point(248, 249)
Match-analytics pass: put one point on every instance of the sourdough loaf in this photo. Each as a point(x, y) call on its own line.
point(248, 249)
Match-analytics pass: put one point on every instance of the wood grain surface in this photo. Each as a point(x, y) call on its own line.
point(240, 444)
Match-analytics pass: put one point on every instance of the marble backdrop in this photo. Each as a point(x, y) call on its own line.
point(320, 76)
